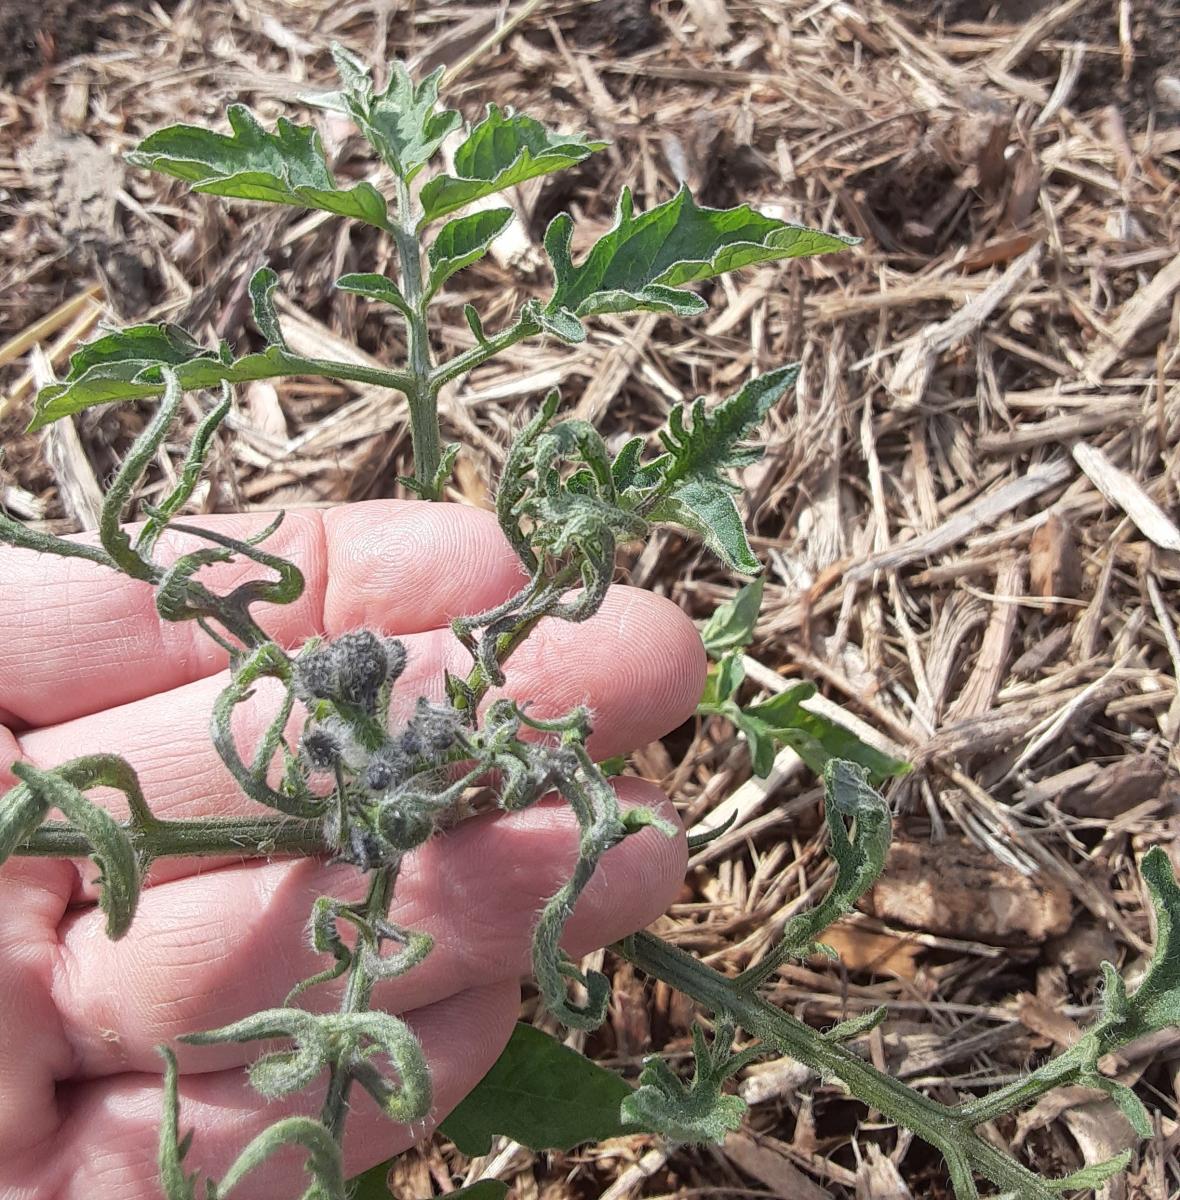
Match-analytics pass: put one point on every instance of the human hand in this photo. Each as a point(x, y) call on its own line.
point(87, 666)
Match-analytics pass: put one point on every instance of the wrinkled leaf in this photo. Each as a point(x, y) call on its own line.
point(701, 445)
point(731, 627)
point(463, 241)
point(699, 1111)
point(504, 149)
point(642, 263)
point(284, 167)
point(541, 1094)
point(401, 122)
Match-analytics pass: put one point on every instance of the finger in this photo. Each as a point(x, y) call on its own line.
point(91, 638)
point(209, 950)
point(107, 1148)
point(638, 664)
point(33, 1052)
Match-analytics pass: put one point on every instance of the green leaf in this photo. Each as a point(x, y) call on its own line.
point(127, 365)
point(849, 800)
point(699, 1111)
point(401, 123)
point(731, 627)
point(721, 684)
point(817, 739)
point(541, 1094)
point(463, 241)
point(701, 445)
point(504, 149)
point(375, 287)
point(284, 167)
point(1091, 1175)
point(642, 263)
point(854, 1027)
point(262, 286)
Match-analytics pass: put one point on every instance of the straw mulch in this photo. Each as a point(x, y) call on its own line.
point(968, 508)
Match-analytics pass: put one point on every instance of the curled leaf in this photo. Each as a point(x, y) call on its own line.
point(698, 1111)
point(112, 849)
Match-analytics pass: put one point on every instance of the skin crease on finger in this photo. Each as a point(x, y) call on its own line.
point(353, 579)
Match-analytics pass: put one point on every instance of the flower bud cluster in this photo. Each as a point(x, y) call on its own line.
point(391, 786)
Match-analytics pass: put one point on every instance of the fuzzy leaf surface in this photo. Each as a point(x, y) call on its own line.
point(643, 262)
point(284, 167)
point(541, 1094)
point(401, 122)
point(463, 241)
point(504, 149)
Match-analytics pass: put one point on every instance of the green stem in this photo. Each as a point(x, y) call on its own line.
point(357, 995)
point(470, 359)
point(947, 1129)
point(422, 392)
point(1059, 1072)
point(328, 368)
point(477, 681)
point(232, 837)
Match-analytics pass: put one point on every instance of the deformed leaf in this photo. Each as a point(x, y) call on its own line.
point(541, 1094)
point(859, 861)
point(401, 122)
point(731, 627)
point(643, 262)
point(284, 167)
point(703, 443)
point(262, 287)
point(463, 241)
point(698, 1111)
point(504, 149)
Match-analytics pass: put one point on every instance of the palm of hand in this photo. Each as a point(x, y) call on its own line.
point(87, 666)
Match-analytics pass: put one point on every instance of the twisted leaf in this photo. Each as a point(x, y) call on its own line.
point(859, 861)
point(283, 1071)
point(504, 149)
point(113, 851)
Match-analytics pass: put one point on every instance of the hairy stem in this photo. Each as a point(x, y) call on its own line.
point(470, 359)
point(246, 837)
point(357, 994)
point(422, 392)
point(947, 1129)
